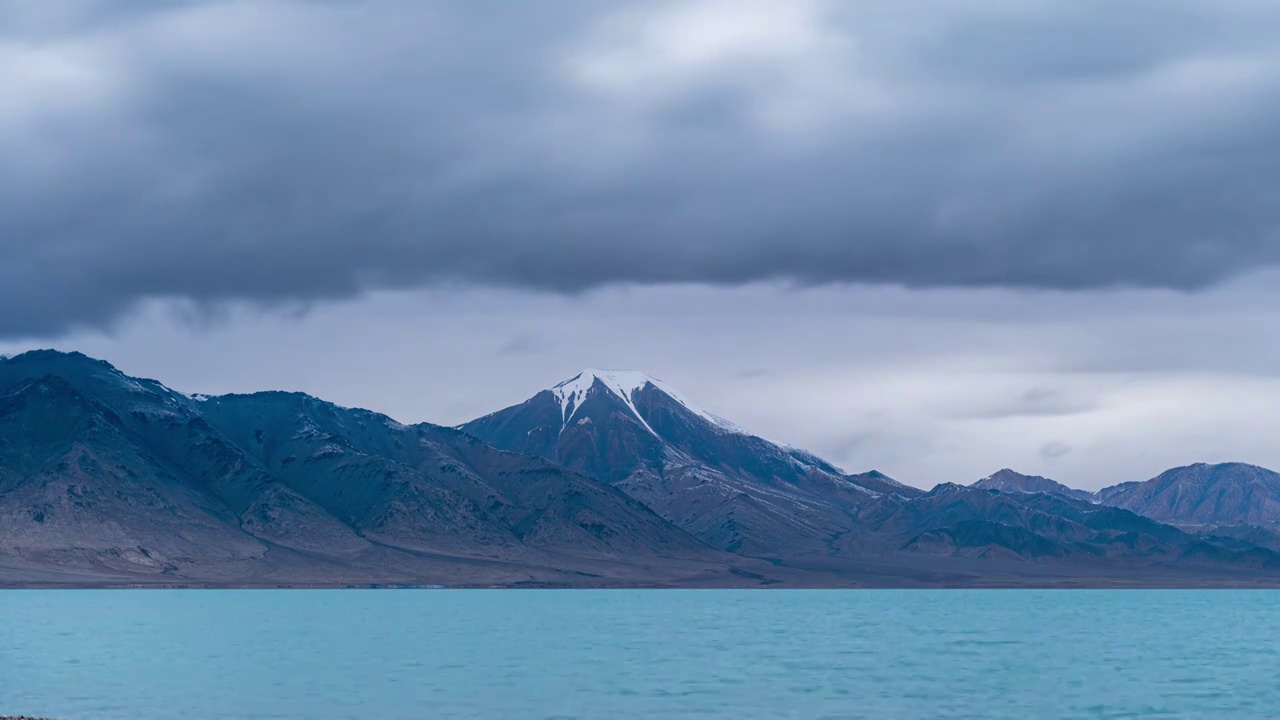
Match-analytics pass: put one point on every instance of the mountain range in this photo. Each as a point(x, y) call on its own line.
point(610, 478)
point(1195, 495)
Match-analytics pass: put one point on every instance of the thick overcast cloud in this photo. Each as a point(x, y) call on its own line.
point(932, 238)
point(278, 151)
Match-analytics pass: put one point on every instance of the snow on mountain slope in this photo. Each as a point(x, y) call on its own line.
point(625, 384)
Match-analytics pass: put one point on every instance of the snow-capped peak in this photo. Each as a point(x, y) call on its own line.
point(624, 384)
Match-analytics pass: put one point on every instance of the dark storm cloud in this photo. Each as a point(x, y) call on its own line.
point(290, 152)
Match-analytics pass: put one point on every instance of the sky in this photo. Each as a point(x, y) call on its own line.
point(935, 239)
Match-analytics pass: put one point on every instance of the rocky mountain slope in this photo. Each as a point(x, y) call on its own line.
point(736, 491)
point(1010, 481)
point(1227, 493)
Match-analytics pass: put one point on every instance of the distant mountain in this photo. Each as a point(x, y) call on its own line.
point(737, 491)
point(1007, 480)
point(1264, 536)
point(966, 522)
point(608, 479)
point(1228, 493)
point(105, 475)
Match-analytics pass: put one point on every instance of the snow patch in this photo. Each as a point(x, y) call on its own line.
point(803, 457)
point(624, 384)
point(329, 450)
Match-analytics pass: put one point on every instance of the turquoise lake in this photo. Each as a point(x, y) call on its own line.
point(305, 655)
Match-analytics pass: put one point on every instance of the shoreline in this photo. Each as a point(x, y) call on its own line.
point(1062, 585)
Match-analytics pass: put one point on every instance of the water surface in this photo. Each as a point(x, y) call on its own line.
point(309, 655)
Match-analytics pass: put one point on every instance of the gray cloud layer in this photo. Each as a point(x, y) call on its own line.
point(284, 151)
point(929, 386)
